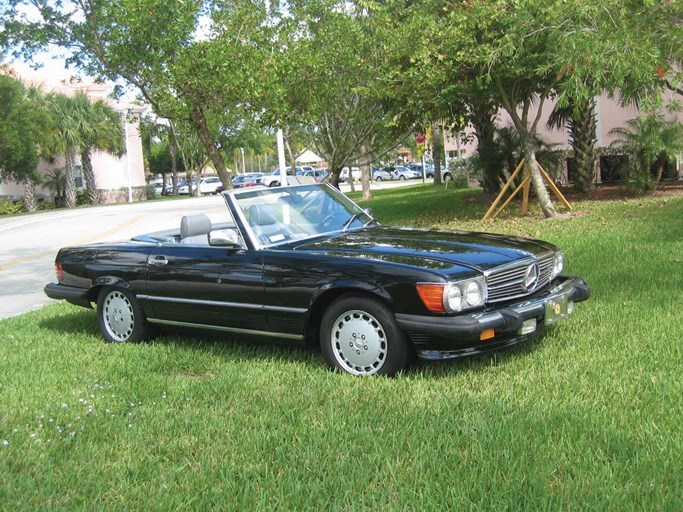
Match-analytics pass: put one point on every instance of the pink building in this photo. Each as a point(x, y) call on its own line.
point(609, 115)
point(118, 179)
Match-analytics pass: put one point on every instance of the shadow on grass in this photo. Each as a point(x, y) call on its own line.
point(81, 322)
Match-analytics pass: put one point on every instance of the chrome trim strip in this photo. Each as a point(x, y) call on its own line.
point(200, 302)
point(297, 337)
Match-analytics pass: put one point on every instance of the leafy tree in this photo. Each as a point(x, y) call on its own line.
point(22, 125)
point(330, 79)
point(184, 70)
point(520, 53)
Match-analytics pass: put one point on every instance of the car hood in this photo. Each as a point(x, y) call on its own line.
point(430, 248)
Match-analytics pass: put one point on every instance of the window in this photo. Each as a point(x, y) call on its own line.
point(78, 176)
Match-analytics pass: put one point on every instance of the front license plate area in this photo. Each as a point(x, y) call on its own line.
point(556, 309)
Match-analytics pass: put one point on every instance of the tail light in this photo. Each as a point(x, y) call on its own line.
point(59, 271)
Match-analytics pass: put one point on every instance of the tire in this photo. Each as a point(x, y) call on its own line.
point(447, 177)
point(378, 179)
point(274, 184)
point(359, 335)
point(401, 177)
point(120, 317)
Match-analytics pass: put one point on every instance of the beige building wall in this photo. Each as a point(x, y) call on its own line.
point(112, 175)
point(609, 115)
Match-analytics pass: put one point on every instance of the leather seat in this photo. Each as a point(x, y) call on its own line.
point(194, 229)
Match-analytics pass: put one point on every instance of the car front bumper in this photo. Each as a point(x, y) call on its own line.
point(470, 334)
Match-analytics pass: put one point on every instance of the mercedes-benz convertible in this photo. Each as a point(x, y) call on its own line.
point(304, 264)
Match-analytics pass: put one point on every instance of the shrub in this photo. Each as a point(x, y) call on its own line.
point(11, 207)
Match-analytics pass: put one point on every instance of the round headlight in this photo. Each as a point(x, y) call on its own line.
point(454, 298)
point(473, 294)
point(558, 263)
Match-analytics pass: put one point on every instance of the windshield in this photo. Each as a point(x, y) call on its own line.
point(282, 214)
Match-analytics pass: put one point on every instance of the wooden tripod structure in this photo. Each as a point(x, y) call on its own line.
point(525, 186)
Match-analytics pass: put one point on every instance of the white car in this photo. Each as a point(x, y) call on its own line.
point(273, 180)
point(209, 184)
point(206, 186)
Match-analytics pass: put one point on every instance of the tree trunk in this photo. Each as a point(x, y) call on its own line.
point(199, 120)
point(582, 140)
point(89, 178)
point(483, 117)
point(660, 165)
point(69, 181)
point(30, 204)
point(537, 181)
point(365, 172)
point(437, 148)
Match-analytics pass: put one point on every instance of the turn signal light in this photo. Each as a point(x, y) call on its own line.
point(432, 296)
point(487, 334)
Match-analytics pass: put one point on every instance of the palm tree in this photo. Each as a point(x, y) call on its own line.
point(80, 126)
point(55, 181)
point(580, 119)
point(652, 140)
point(104, 132)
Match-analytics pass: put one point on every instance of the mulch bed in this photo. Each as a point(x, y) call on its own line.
point(603, 193)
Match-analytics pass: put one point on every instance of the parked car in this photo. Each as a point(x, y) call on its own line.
point(306, 265)
point(401, 172)
point(417, 167)
point(381, 175)
point(317, 174)
point(273, 180)
point(185, 188)
point(208, 184)
point(344, 174)
point(248, 180)
point(169, 188)
point(445, 175)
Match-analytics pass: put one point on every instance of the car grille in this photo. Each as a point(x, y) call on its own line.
point(507, 282)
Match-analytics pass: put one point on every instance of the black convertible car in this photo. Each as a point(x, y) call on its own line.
point(304, 264)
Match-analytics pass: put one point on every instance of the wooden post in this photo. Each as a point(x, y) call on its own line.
point(554, 188)
point(507, 186)
point(525, 186)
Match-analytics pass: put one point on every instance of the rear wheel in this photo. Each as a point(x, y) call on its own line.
point(120, 316)
point(360, 336)
point(401, 177)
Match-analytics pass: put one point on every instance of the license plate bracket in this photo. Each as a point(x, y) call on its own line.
point(556, 309)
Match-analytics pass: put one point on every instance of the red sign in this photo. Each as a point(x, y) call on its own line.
point(420, 137)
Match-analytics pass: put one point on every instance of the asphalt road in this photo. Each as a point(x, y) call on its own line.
point(29, 243)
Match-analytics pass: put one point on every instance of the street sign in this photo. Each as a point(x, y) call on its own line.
point(420, 137)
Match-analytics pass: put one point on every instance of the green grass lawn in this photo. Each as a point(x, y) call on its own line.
point(589, 417)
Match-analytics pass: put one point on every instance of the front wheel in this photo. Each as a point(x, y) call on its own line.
point(120, 316)
point(274, 184)
point(378, 179)
point(359, 335)
point(401, 177)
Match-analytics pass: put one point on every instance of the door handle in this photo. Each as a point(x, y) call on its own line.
point(158, 261)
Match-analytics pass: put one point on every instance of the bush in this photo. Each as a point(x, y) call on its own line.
point(11, 207)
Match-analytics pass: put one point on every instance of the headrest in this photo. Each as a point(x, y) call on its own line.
point(261, 215)
point(192, 225)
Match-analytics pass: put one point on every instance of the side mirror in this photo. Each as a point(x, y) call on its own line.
point(224, 238)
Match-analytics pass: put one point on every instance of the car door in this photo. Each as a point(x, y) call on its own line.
point(200, 285)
